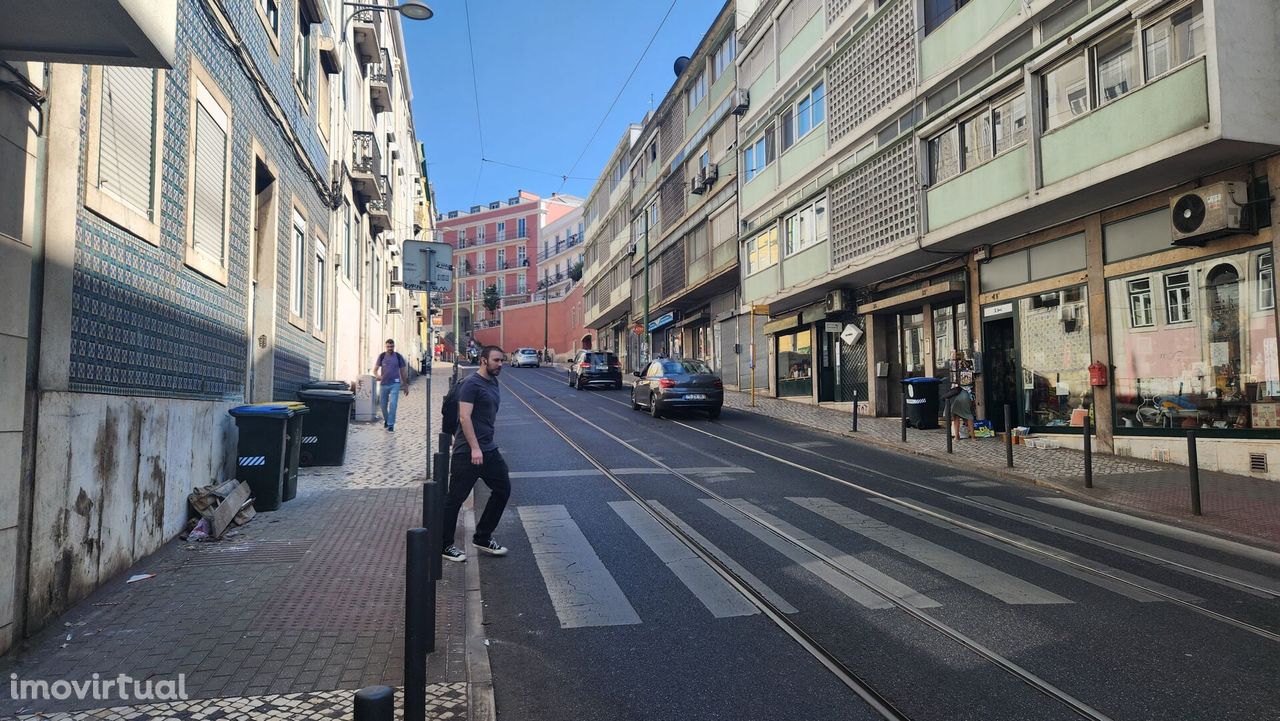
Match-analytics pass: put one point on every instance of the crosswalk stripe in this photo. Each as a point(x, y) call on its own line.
point(980, 576)
point(582, 590)
point(1203, 539)
point(1220, 573)
point(1119, 587)
point(842, 583)
point(747, 577)
point(721, 599)
point(556, 474)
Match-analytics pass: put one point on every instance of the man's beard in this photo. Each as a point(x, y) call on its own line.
point(495, 371)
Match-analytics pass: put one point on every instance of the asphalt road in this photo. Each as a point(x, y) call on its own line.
point(951, 595)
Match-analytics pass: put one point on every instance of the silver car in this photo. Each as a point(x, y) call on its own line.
point(525, 357)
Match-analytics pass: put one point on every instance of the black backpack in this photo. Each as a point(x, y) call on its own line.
point(449, 410)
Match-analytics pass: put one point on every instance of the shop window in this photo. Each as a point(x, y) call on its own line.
point(1174, 40)
point(1053, 331)
point(1140, 315)
point(912, 338)
point(795, 364)
point(1218, 372)
point(1265, 283)
point(1177, 297)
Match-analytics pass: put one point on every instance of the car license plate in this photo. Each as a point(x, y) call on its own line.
point(695, 397)
point(599, 367)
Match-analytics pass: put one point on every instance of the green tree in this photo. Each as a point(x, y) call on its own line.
point(575, 272)
point(491, 298)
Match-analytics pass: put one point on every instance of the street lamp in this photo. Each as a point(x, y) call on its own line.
point(412, 9)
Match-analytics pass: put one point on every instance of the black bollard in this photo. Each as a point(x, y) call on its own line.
point(432, 519)
point(904, 412)
point(1193, 465)
point(949, 423)
point(375, 703)
point(445, 440)
point(1088, 451)
point(855, 410)
point(1008, 435)
point(419, 622)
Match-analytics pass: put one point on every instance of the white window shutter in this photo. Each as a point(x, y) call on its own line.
point(126, 145)
point(208, 217)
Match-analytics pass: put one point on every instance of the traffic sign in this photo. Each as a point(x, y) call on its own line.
point(428, 266)
point(851, 334)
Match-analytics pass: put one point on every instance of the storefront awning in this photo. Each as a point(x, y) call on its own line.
point(952, 291)
point(784, 323)
point(703, 317)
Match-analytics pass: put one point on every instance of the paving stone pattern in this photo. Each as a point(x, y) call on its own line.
point(304, 600)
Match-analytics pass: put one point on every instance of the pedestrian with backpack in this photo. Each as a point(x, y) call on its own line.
point(470, 411)
point(392, 373)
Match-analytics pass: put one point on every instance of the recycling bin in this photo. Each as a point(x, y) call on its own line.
point(324, 429)
point(267, 452)
point(921, 398)
point(328, 385)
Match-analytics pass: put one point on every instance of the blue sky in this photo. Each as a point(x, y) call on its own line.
point(546, 71)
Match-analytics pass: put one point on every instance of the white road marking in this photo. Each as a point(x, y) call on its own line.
point(721, 599)
point(991, 581)
point(1119, 587)
point(581, 589)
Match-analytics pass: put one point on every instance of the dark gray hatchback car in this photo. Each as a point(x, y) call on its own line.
point(595, 368)
point(669, 384)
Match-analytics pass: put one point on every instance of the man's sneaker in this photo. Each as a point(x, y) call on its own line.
point(493, 548)
point(453, 554)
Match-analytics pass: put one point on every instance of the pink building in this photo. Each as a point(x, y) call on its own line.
point(496, 244)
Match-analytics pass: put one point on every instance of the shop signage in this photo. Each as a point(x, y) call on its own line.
point(665, 319)
point(760, 310)
point(832, 327)
point(851, 335)
point(992, 311)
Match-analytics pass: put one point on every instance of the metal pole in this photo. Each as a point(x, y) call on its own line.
point(1008, 435)
point(646, 349)
point(752, 367)
point(432, 519)
point(951, 419)
point(456, 329)
point(545, 314)
point(904, 412)
point(375, 703)
point(1193, 465)
point(419, 622)
point(1088, 451)
point(855, 410)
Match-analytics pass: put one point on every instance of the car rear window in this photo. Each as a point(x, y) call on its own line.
point(685, 366)
point(598, 357)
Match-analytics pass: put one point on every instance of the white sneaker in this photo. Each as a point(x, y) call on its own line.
point(453, 554)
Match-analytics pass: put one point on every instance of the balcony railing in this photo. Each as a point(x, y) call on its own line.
point(380, 83)
point(379, 208)
point(560, 246)
point(366, 27)
point(366, 165)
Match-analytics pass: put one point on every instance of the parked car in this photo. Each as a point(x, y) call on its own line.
point(526, 357)
point(668, 384)
point(595, 368)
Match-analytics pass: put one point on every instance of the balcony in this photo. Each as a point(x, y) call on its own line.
point(366, 165)
point(379, 209)
point(380, 83)
point(366, 35)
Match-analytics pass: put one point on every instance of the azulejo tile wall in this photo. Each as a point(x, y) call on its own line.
point(143, 323)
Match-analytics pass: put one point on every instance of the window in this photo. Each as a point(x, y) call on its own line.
point(1174, 39)
point(1177, 297)
point(976, 140)
point(321, 284)
point(793, 19)
point(795, 364)
point(762, 250)
point(1066, 92)
point(653, 152)
point(1009, 122)
point(347, 240)
point(1265, 283)
point(297, 266)
point(521, 255)
point(1117, 66)
point(520, 228)
point(936, 12)
point(723, 59)
point(124, 144)
point(1140, 315)
point(1054, 353)
point(209, 179)
point(697, 90)
point(805, 115)
point(480, 234)
point(502, 231)
point(304, 58)
point(271, 14)
point(805, 227)
point(944, 155)
point(758, 59)
point(758, 155)
point(522, 283)
point(375, 280)
point(502, 258)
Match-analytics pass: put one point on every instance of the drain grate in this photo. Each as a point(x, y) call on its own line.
point(1258, 462)
point(249, 552)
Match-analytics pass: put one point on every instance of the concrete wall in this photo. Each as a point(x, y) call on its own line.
point(522, 326)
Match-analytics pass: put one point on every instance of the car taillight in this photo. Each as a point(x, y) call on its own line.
point(666, 383)
point(584, 364)
point(615, 363)
point(718, 383)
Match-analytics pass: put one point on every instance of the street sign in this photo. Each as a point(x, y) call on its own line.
point(851, 334)
point(428, 266)
point(760, 310)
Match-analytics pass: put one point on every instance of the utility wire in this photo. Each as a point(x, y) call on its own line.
point(619, 95)
point(475, 95)
point(535, 170)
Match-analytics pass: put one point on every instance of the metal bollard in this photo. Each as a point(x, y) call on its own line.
point(444, 440)
point(949, 423)
point(1008, 435)
point(432, 519)
point(1193, 465)
point(375, 703)
point(855, 410)
point(904, 412)
point(1088, 451)
point(419, 622)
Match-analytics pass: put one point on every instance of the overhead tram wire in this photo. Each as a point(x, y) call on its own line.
point(475, 95)
point(617, 97)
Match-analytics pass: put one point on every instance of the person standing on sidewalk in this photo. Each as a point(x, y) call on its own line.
point(392, 373)
point(476, 456)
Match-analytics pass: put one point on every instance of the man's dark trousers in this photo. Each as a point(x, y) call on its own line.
point(462, 477)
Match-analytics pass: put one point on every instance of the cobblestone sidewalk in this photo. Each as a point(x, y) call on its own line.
point(1232, 504)
point(286, 619)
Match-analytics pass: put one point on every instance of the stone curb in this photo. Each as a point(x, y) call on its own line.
point(480, 700)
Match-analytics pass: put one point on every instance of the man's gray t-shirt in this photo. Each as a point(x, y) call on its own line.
point(483, 395)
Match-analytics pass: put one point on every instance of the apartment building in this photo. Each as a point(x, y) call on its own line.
point(559, 251)
point(607, 250)
point(1070, 201)
point(684, 209)
point(191, 217)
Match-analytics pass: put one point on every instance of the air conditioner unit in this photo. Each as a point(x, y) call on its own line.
point(695, 185)
point(839, 301)
point(393, 302)
point(1207, 213)
point(709, 174)
point(395, 275)
point(1066, 313)
point(631, 249)
point(741, 101)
